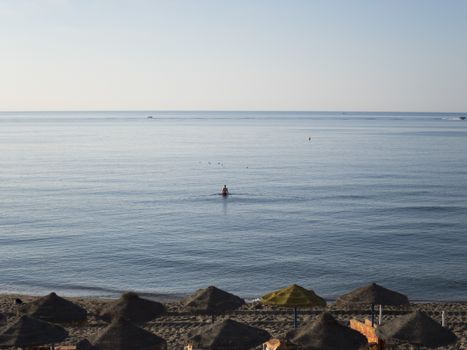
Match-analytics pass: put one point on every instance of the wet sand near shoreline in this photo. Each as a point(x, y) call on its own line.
point(177, 323)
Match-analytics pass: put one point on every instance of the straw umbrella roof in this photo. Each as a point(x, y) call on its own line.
point(293, 296)
point(228, 335)
point(372, 294)
point(55, 309)
point(133, 308)
point(326, 333)
point(417, 328)
point(212, 301)
point(27, 331)
point(122, 334)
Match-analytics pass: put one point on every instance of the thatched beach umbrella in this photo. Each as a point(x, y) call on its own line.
point(133, 308)
point(55, 309)
point(212, 301)
point(293, 296)
point(372, 294)
point(27, 332)
point(122, 334)
point(228, 335)
point(326, 333)
point(418, 329)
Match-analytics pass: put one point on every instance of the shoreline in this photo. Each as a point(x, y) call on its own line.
point(177, 297)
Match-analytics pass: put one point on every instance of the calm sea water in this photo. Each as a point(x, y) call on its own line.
point(97, 203)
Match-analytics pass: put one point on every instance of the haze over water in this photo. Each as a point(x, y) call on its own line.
point(95, 203)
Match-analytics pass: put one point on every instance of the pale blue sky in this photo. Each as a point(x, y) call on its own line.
point(396, 55)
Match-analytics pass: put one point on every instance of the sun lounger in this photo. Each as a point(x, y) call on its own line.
point(273, 344)
point(369, 332)
point(278, 344)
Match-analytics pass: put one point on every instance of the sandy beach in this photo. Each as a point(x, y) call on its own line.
point(177, 323)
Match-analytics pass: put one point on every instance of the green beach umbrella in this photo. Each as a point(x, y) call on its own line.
point(293, 296)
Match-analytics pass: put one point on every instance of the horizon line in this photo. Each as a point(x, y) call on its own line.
point(228, 110)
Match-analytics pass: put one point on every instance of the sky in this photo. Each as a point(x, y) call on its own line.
point(373, 55)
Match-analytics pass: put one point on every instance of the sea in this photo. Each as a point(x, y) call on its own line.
point(97, 203)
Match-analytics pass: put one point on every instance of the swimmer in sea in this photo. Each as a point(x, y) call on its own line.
point(225, 191)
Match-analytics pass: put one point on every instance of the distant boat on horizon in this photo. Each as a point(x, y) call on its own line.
point(462, 118)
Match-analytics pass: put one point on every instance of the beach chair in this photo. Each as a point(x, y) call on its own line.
point(278, 344)
point(189, 346)
point(273, 344)
point(369, 332)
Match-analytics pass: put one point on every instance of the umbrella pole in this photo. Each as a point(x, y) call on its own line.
point(380, 316)
point(295, 320)
point(372, 315)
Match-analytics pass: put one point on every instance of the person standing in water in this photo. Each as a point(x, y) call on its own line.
point(225, 191)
